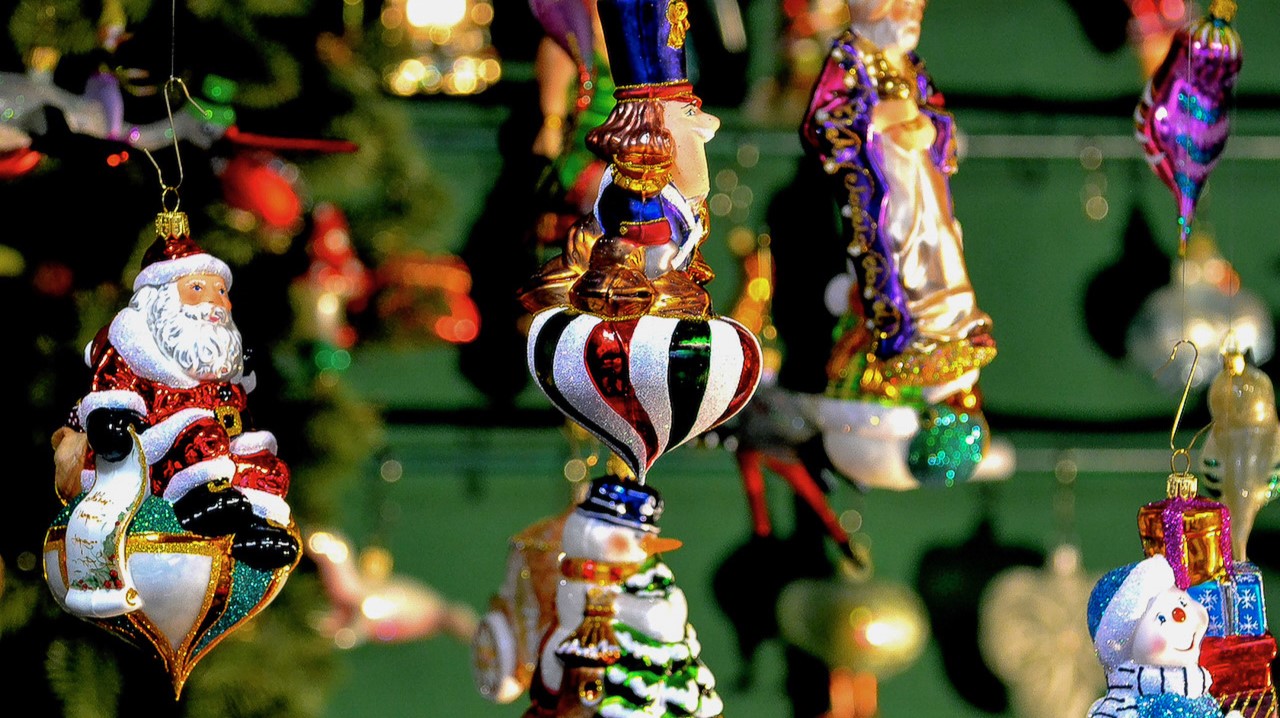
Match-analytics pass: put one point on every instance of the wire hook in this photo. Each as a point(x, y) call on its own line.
point(1183, 452)
point(167, 189)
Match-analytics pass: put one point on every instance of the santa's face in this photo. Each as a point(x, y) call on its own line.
point(691, 128)
point(197, 289)
point(190, 319)
point(894, 25)
point(1169, 633)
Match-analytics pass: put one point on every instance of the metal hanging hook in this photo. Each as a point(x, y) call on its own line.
point(166, 189)
point(1178, 479)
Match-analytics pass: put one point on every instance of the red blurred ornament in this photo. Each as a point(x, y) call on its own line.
point(428, 296)
point(337, 283)
point(256, 182)
point(18, 162)
point(53, 279)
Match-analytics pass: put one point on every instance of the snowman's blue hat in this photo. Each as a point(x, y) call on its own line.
point(626, 503)
point(1119, 600)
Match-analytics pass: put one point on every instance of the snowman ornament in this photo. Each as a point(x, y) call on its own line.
point(622, 645)
point(1147, 633)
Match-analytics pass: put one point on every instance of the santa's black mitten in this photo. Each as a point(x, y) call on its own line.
point(108, 431)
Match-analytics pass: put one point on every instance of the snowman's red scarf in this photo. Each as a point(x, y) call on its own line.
point(598, 572)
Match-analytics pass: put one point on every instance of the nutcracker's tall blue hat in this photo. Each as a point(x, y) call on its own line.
point(646, 43)
point(625, 503)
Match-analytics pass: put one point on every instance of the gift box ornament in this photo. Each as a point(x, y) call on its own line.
point(1193, 533)
point(1236, 607)
point(1241, 670)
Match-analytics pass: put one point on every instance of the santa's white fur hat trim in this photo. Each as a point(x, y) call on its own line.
point(161, 273)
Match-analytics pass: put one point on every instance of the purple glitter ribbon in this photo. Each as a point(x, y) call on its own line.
point(835, 131)
point(1171, 516)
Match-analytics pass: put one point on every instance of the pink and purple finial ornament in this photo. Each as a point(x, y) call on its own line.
point(1182, 119)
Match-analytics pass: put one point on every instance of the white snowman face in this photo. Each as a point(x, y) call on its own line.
point(1169, 633)
point(625, 545)
point(587, 537)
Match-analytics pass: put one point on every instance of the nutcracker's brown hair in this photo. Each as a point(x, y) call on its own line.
point(636, 141)
point(633, 132)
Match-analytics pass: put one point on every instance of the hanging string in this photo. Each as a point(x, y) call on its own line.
point(167, 190)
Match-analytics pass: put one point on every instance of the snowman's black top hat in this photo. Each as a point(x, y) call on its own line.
point(625, 503)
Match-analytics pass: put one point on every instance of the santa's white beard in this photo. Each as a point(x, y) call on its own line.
point(205, 350)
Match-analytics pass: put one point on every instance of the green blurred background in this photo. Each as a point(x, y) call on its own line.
point(1009, 70)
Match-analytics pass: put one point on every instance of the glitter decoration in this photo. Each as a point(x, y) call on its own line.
point(948, 446)
point(155, 516)
point(248, 587)
point(643, 386)
point(1194, 534)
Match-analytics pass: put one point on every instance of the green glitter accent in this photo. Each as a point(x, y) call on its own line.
point(65, 514)
point(849, 385)
point(947, 448)
point(248, 586)
point(156, 516)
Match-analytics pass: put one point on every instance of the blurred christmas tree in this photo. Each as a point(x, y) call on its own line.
point(297, 221)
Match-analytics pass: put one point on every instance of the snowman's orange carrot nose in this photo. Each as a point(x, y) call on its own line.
point(653, 544)
point(1179, 615)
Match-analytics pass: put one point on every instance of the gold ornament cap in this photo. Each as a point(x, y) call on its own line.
point(1224, 10)
point(172, 224)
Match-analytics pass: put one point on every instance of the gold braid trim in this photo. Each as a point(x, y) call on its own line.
point(644, 178)
point(917, 367)
point(593, 642)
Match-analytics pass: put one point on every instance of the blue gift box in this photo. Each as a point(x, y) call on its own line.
point(1235, 608)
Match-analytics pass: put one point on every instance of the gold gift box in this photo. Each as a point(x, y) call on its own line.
point(1201, 539)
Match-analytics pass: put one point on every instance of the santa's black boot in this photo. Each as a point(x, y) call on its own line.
point(264, 546)
point(214, 509)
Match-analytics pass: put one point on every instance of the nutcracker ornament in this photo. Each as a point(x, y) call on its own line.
point(175, 530)
point(902, 406)
point(625, 343)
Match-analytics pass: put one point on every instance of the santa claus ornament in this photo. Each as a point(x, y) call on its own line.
point(175, 529)
point(902, 407)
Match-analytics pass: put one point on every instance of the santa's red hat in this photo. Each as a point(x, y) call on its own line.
point(175, 254)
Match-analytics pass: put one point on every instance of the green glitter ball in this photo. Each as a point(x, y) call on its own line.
point(948, 446)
